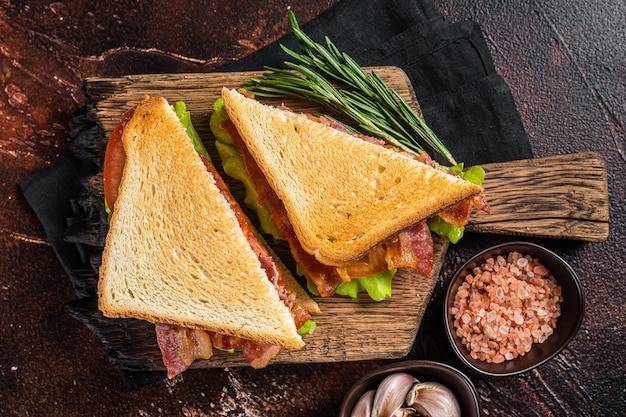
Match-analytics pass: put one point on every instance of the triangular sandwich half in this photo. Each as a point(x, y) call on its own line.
point(178, 250)
point(343, 194)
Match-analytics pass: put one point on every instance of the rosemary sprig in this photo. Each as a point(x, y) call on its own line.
point(378, 110)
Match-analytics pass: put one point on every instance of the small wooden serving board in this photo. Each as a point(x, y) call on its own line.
point(351, 329)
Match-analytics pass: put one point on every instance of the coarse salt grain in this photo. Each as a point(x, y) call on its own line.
point(505, 306)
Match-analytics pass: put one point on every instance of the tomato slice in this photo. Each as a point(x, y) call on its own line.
point(114, 160)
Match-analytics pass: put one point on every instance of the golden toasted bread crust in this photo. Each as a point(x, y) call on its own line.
point(343, 195)
point(175, 252)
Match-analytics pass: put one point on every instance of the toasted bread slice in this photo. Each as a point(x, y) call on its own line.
point(175, 252)
point(343, 195)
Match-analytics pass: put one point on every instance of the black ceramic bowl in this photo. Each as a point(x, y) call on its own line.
point(460, 384)
point(572, 310)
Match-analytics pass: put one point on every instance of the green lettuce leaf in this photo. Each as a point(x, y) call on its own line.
point(218, 116)
point(475, 175)
point(108, 211)
point(185, 117)
point(377, 286)
point(231, 350)
point(442, 228)
point(307, 328)
point(232, 162)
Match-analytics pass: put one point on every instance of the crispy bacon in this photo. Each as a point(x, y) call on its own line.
point(480, 202)
point(412, 249)
point(257, 354)
point(180, 346)
point(371, 263)
point(457, 215)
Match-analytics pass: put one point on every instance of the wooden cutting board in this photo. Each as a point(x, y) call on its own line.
point(357, 329)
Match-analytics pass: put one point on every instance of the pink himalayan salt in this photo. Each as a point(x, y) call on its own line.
point(505, 306)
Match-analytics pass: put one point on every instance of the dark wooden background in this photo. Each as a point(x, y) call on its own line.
point(565, 62)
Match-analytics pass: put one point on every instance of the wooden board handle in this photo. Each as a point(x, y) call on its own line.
point(563, 196)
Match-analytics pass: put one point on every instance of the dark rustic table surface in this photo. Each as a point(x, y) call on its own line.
point(565, 63)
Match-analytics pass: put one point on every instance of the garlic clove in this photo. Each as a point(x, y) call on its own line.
point(391, 394)
point(363, 407)
point(432, 399)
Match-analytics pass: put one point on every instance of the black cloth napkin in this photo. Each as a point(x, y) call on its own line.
point(462, 97)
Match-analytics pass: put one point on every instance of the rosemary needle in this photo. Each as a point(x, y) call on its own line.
point(364, 98)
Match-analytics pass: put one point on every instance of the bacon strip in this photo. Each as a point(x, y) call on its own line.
point(258, 354)
point(413, 250)
point(181, 346)
point(457, 215)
